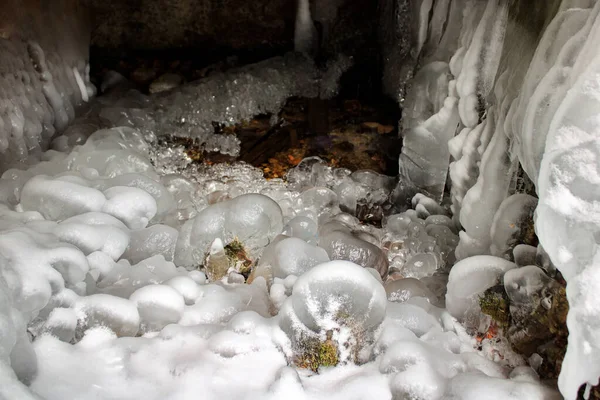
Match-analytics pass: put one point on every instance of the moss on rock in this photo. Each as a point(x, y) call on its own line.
point(495, 303)
point(238, 258)
point(315, 353)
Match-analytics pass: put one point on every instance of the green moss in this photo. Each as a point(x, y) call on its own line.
point(315, 353)
point(236, 254)
point(495, 303)
point(234, 248)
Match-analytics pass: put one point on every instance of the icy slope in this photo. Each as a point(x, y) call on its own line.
point(525, 78)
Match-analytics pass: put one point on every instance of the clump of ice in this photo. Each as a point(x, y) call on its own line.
point(468, 279)
point(292, 256)
point(253, 219)
point(341, 243)
point(158, 305)
point(338, 296)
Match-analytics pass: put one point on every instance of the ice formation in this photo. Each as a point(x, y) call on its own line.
point(127, 271)
point(40, 92)
point(50, 89)
point(305, 33)
point(236, 95)
point(526, 91)
point(138, 287)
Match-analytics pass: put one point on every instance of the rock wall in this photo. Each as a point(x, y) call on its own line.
point(208, 25)
point(165, 24)
point(44, 74)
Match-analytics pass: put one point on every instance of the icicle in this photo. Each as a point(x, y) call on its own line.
point(217, 263)
point(588, 390)
point(82, 88)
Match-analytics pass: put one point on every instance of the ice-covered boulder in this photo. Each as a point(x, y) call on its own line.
point(303, 228)
point(135, 207)
point(122, 278)
point(468, 279)
point(403, 289)
point(164, 199)
point(253, 219)
point(58, 199)
point(318, 201)
point(292, 256)
point(186, 287)
point(155, 240)
point(91, 238)
point(158, 305)
point(337, 296)
point(118, 314)
point(62, 323)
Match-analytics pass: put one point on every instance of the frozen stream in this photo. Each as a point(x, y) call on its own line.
point(117, 256)
point(127, 271)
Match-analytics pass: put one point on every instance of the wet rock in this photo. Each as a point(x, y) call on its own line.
point(531, 308)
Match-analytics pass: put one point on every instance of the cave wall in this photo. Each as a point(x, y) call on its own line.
point(397, 32)
point(43, 72)
point(208, 25)
point(198, 24)
point(186, 37)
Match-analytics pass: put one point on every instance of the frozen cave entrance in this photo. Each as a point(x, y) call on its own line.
point(314, 199)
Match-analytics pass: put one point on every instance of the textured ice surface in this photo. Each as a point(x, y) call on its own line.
point(528, 97)
point(241, 94)
point(253, 219)
point(111, 316)
point(292, 256)
point(98, 235)
point(40, 95)
point(468, 279)
point(567, 220)
point(40, 90)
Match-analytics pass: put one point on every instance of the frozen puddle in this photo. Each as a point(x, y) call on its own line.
point(140, 275)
